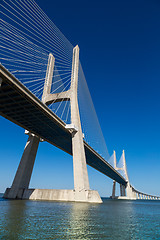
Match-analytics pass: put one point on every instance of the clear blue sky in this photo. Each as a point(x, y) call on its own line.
point(120, 53)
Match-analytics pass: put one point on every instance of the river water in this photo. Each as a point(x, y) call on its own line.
point(113, 219)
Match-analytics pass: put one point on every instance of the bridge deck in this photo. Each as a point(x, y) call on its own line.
point(20, 106)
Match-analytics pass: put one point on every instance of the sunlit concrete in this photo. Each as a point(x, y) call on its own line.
point(90, 196)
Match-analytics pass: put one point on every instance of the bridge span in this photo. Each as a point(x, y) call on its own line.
point(25, 52)
point(23, 108)
point(20, 106)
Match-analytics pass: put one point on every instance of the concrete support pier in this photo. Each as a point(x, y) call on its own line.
point(81, 182)
point(56, 195)
point(126, 192)
point(24, 171)
point(114, 190)
point(122, 190)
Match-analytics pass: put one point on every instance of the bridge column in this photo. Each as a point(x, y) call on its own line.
point(134, 194)
point(81, 182)
point(114, 189)
point(122, 190)
point(129, 190)
point(114, 182)
point(24, 171)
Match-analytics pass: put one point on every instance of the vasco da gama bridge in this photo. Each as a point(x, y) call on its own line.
point(40, 73)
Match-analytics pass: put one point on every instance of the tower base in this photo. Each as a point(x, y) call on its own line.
point(89, 196)
point(123, 198)
point(127, 198)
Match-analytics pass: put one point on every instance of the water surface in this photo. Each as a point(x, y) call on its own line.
point(116, 220)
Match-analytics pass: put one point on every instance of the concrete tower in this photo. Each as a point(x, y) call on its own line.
point(81, 190)
point(126, 192)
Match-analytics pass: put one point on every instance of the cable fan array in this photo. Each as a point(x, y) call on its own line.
point(27, 37)
point(90, 124)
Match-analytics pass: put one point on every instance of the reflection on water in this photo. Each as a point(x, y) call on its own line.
point(57, 220)
point(80, 227)
point(13, 220)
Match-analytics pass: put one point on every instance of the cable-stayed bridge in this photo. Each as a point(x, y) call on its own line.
point(43, 89)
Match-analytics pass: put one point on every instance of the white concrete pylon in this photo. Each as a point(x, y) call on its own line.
point(129, 192)
point(126, 192)
point(114, 182)
point(47, 96)
point(81, 182)
point(114, 159)
point(48, 78)
point(122, 187)
point(125, 166)
point(81, 190)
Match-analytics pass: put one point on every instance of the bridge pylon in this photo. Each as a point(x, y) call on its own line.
point(126, 191)
point(114, 182)
point(81, 192)
point(129, 192)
